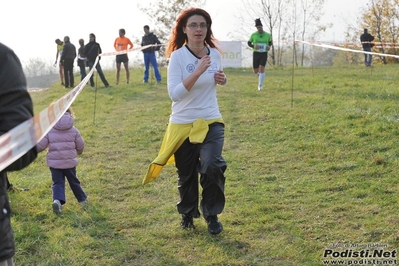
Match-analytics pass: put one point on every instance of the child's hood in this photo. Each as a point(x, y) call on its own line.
point(65, 122)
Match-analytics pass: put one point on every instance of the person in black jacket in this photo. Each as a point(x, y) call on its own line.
point(15, 107)
point(366, 39)
point(81, 59)
point(67, 57)
point(149, 54)
point(91, 51)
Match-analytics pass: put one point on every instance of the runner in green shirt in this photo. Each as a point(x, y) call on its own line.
point(260, 41)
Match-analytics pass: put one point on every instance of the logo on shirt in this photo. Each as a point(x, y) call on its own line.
point(190, 68)
point(213, 68)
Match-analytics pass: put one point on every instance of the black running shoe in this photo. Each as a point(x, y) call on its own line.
point(214, 225)
point(187, 221)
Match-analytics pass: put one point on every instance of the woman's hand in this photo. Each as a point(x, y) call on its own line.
point(203, 64)
point(220, 77)
point(200, 68)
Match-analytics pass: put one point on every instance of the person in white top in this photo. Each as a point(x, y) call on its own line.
point(194, 72)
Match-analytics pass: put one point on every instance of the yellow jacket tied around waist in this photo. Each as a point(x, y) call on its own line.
point(174, 137)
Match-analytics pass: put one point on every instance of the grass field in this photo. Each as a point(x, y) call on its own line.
point(312, 166)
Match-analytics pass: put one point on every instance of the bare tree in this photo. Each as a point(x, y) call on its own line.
point(311, 12)
point(273, 13)
point(287, 19)
point(305, 24)
point(36, 67)
point(377, 14)
point(382, 18)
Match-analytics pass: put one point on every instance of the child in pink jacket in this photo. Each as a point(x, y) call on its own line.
point(64, 144)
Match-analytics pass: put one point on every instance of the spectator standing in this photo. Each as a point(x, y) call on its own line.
point(64, 144)
point(149, 54)
point(122, 43)
point(15, 107)
point(366, 39)
point(60, 46)
point(91, 51)
point(81, 59)
point(68, 57)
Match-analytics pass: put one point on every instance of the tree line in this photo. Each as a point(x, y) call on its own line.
point(286, 21)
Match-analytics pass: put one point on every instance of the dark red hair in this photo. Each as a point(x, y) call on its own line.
point(179, 38)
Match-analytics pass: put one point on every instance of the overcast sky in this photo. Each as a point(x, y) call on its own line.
point(30, 27)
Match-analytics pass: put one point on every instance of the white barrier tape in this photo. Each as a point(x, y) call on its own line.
point(379, 45)
point(386, 47)
point(346, 49)
point(357, 43)
point(384, 43)
point(129, 50)
point(37, 89)
point(26, 135)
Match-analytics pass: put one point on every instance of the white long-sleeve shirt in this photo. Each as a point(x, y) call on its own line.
point(201, 100)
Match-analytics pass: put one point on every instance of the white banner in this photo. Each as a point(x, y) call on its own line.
point(231, 53)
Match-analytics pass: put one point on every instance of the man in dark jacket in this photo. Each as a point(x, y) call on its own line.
point(149, 53)
point(15, 108)
point(91, 51)
point(67, 57)
point(366, 39)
